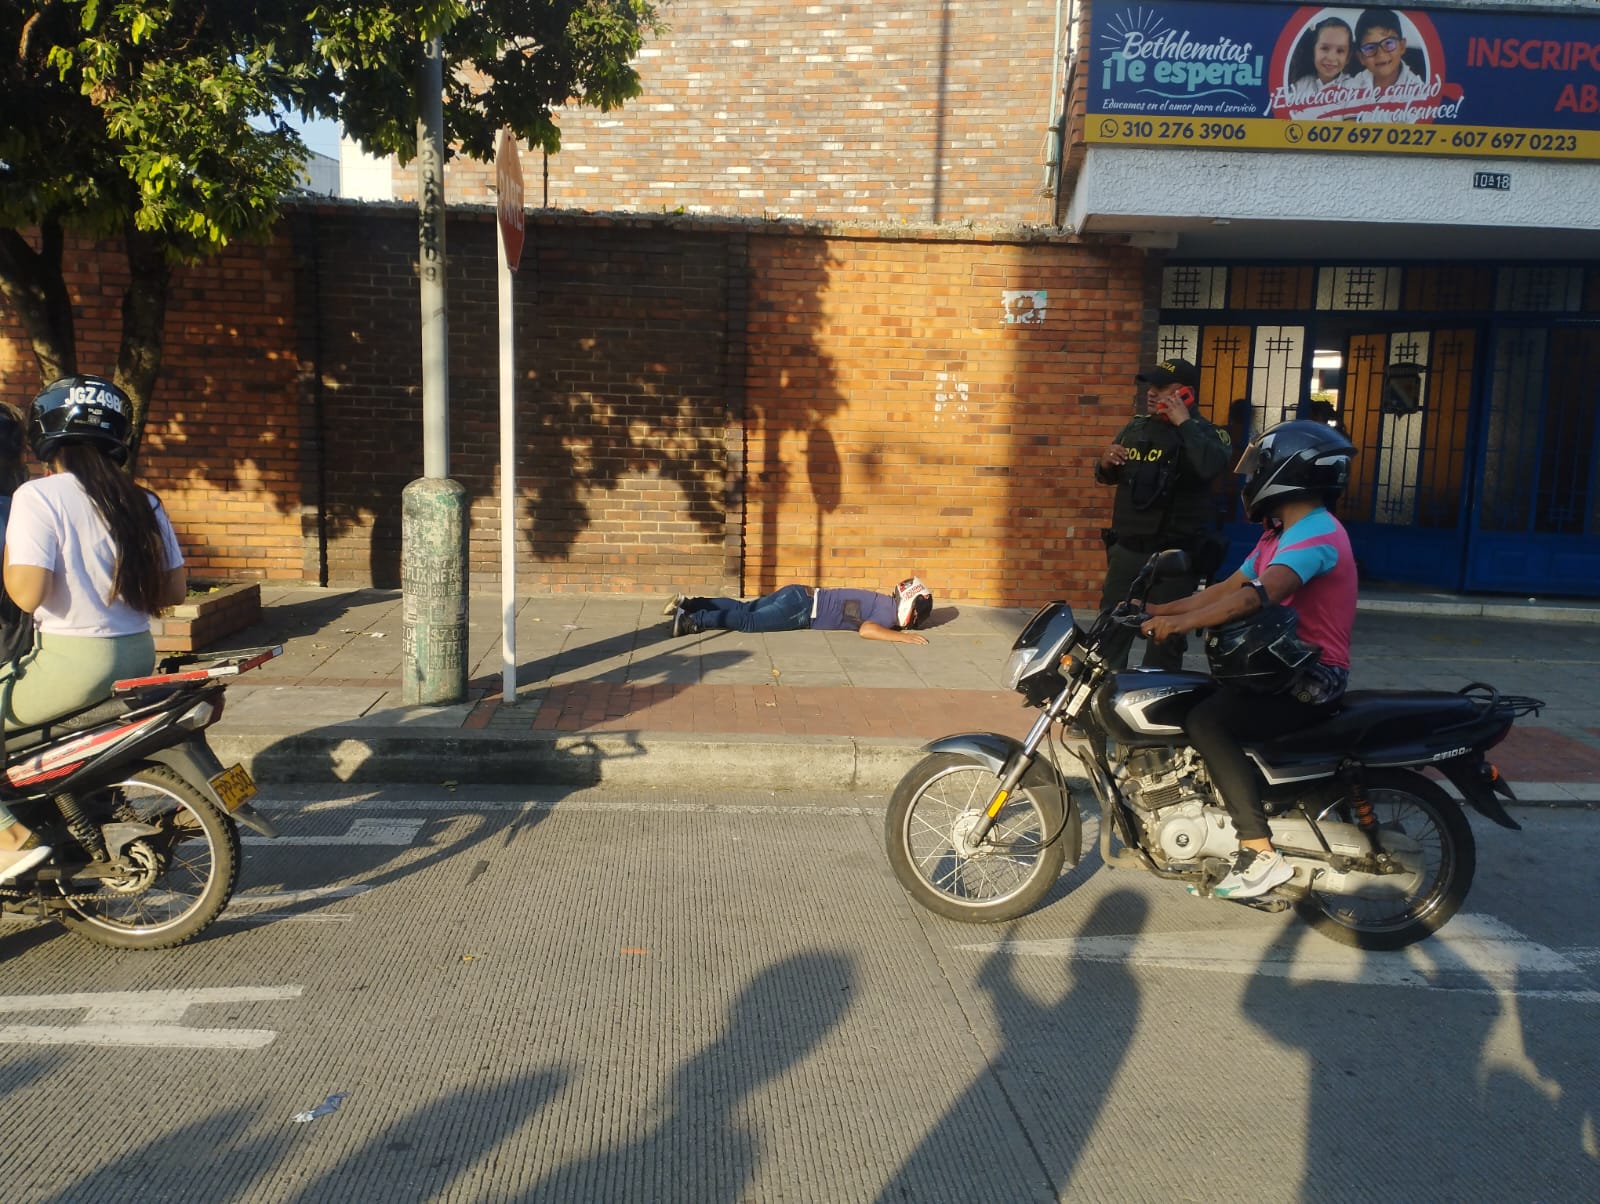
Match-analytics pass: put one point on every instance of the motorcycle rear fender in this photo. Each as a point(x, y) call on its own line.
point(1479, 782)
point(993, 751)
point(194, 761)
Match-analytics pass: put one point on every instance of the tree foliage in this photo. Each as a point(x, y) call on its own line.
point(160, 123)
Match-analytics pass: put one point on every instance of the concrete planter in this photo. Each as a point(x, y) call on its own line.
point(204, 618)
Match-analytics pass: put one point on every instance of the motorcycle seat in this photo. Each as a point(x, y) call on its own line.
point(24, 738)
point(1387, 717)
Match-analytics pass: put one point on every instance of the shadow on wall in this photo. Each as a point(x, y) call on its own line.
point(629, 388)
point(794, 390)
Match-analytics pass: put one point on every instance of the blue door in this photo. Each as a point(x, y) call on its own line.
point(1535, 521)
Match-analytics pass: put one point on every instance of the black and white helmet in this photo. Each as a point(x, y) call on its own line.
point(913, 602)
point(1262, 652)
point(1291, 462)
point(81, 409)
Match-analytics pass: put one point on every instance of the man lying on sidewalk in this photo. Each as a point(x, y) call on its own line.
point(797, 607)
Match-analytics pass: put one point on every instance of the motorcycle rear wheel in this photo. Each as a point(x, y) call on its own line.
point(196, 866)
point(1411, 805)
point(944, 792)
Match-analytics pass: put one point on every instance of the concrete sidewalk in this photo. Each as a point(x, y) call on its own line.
point(606, 694)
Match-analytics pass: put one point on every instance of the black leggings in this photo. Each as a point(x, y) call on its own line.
point(1218, 725)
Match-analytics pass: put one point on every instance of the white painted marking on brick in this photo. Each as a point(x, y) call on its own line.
point(142, 1018)
point(1472, 954)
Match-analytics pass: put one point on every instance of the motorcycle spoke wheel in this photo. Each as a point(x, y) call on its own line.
point(179, 881)
point(934, 806)
point(1424, 821)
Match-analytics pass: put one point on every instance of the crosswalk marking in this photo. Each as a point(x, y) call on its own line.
point(142, 1018)
point(1472, 953)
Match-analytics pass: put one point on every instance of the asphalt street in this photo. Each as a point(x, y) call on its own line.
point(672, 994)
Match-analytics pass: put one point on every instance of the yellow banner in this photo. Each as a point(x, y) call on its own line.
point(1357, 137)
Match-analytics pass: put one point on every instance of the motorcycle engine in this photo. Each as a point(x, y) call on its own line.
point(1172, 799)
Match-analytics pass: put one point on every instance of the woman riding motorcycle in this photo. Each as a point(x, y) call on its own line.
point(1279, 644)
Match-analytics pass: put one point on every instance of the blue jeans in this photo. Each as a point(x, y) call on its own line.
point(787, 609)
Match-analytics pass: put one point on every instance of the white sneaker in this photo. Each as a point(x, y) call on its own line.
point(1254, 873)
point(672, 604)
point(16, 862)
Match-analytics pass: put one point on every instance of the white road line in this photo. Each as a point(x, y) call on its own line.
point(287, 898)
point(1472, 953)
point(362, 832)
point(143, 1018)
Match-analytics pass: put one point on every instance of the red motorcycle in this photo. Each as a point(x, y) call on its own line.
point(141, 817)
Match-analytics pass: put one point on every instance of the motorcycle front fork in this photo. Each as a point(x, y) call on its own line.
point(1015, 767)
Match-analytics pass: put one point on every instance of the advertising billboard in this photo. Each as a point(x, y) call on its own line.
point(1339, 79)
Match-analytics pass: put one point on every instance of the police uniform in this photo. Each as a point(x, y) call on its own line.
point(1163, 501)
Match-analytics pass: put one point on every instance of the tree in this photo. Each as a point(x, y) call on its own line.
point(160, 124)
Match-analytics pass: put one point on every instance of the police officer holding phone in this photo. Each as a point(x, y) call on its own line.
point(1163, 464)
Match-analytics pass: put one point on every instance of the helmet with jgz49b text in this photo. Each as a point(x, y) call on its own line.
point(81, 409)
point(1294, 461)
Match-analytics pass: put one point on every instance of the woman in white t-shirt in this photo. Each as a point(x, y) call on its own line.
point(91, 555)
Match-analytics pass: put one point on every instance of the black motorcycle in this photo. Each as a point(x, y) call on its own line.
point(979, 829)
point(140, 815)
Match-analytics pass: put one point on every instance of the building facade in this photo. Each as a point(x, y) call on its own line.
point(855, 291)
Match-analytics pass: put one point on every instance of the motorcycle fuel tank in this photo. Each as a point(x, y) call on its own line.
point(1147, 706)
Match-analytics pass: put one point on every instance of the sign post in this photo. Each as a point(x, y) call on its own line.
point(513, 224)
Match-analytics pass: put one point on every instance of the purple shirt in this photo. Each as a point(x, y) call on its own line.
point(847, 609)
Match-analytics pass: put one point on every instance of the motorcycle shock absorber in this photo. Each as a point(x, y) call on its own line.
point(83, 831)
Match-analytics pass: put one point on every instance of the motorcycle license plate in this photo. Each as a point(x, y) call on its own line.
point(234, 786)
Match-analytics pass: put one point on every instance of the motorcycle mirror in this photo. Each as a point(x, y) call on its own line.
point(1173, 562)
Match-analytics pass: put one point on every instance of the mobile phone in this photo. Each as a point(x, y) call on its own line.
point(1186, 395)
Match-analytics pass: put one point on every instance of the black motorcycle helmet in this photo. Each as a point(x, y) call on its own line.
point(81, 409)
point(1294, 461)
point(1261, 652)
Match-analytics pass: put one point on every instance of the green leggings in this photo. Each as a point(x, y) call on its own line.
point(65, 673)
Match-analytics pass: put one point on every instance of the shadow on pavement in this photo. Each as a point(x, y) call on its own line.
point(1052, 1102)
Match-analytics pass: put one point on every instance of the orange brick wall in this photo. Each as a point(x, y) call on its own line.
point(714, 404)
point(899, 423)
point(921, 111)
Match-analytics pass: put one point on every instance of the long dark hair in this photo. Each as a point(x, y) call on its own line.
point(135, 530)
point(13, 472)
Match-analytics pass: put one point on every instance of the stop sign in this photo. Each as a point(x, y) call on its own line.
point(508, 186)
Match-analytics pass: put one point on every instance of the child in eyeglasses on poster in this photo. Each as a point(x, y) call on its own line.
point(1381, 45)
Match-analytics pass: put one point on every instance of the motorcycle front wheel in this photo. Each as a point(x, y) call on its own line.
point(1421, 825)
point(933, 808)
point(178, 879)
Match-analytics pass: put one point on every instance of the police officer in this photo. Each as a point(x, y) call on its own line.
point(1163, 464)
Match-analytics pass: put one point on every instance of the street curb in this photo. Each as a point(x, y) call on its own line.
point(706, 762)
point(387, 756)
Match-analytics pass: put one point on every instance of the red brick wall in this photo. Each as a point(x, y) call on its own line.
point(223, 447)
point(713, 404)
point(921, 111)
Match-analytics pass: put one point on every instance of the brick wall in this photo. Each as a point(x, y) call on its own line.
point(903, 420)
point(224, 444)
point(921, 111)
point(714, 404)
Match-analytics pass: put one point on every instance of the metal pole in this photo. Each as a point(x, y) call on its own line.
point(433, 512)
point(508, 481)
point(431, 214)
